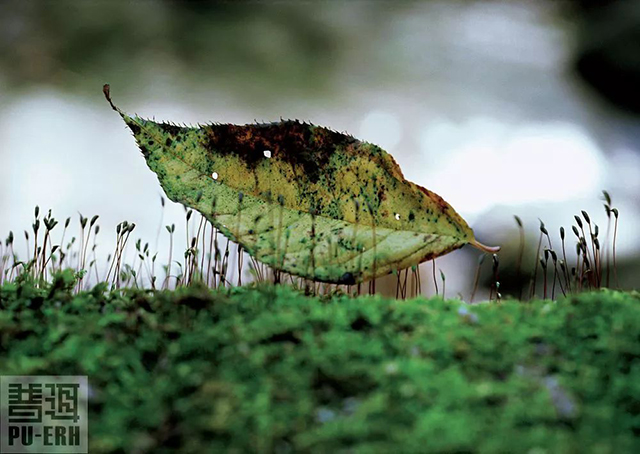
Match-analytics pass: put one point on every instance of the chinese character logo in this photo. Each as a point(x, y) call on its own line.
point(46, 414)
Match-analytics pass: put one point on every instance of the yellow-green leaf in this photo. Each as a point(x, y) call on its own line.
point(301, 198)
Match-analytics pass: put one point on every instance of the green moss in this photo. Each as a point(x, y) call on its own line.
point(269, 370)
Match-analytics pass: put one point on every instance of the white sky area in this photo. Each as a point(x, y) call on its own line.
point(503, 164)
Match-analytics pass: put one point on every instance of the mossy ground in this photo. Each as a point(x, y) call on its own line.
point(269, 370)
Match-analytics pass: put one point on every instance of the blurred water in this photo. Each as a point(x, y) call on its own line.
point(476, 101)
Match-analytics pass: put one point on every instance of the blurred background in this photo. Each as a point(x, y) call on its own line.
point(503, 108)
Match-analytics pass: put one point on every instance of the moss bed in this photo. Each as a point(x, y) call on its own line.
point(267, 369)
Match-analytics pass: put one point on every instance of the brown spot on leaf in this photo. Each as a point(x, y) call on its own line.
point(298, 144)
point(135, 129)
point(170, 129)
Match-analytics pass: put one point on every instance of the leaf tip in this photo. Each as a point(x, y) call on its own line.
point(106, 89)
point(484, 248)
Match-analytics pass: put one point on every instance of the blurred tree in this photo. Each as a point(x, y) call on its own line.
point(608, 55)
point(74, 45)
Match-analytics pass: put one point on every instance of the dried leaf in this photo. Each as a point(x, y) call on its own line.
point(302, 198)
